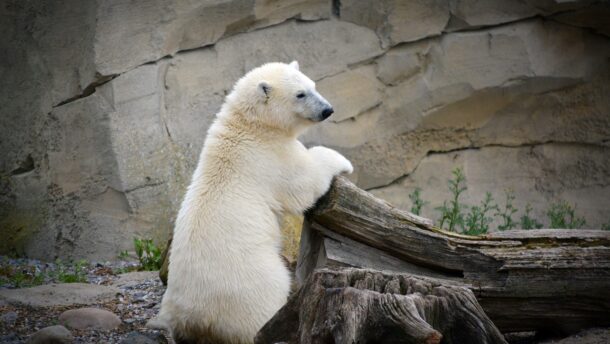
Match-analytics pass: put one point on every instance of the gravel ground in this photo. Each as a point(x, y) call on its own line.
point(138, 301)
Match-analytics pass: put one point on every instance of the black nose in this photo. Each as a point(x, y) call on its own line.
point(327, 112)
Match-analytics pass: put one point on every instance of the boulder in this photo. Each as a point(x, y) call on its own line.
point(65, 294)
point(89, 318)
point(51, 335)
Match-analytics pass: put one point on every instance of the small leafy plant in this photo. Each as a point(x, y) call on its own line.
point(528, 222)
point(477, 221)
point(75, 274)
point(562, 215)
point(20, 276)
point(148, 254)
point(23, 275)
point(123, 255)
point(451, 213)
point(506, 214)
point(416, 201)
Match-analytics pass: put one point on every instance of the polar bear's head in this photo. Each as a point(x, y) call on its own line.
point(279, 95)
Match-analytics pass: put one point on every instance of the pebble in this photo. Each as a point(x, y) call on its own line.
point(139, 296)
point(9, 318)
point(143, 338)
point(90, 318)
point(51, 335)
point(10, 338)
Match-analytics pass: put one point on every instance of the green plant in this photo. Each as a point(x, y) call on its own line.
point(606, 226)
point(416, 201)
point(77, 273)
point(451, 214)
point(148, 254)
point(506, 214)
point(477, 221)
point(20, 276)
point(123, 255)
point(125, 269)
point(528, 222)
point(562, 215)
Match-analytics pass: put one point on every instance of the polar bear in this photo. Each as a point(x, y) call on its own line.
point(226, 277)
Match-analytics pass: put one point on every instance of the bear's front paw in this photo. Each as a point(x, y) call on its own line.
point(328, 157)
point(345, 165)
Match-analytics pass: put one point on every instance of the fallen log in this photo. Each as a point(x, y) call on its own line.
point(525, 280)
point(366, 306)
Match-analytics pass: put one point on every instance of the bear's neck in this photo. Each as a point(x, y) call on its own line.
point(227, 139)
point(240, 125)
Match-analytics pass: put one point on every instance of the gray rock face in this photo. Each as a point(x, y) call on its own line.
point(468, 89)
point(398, 21)
point(163, 27)
point(64, 294)
point(89, 318)
point(106, 104)
point(51, 335)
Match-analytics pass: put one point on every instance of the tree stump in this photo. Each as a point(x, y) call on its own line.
point(366, 306)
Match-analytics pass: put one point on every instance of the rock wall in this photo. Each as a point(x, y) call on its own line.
point(105, 104)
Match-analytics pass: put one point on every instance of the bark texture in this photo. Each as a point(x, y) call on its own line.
point(367, 306)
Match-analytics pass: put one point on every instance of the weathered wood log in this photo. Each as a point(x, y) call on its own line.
point(366, 306)
point(525, 280)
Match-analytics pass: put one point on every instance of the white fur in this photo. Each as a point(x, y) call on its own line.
point(226, 276)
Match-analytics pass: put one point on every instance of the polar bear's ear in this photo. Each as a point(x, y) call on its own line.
point(294, 64)
point(264, 88)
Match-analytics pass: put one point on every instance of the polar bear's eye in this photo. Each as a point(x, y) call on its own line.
point(301, 95)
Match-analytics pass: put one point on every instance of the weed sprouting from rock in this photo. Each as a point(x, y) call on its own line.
point(476, 220)
point(562, 215)
point(527, 221)
point(416, 201)
point(451, 212)
point(506, 213)
point(149, 254)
